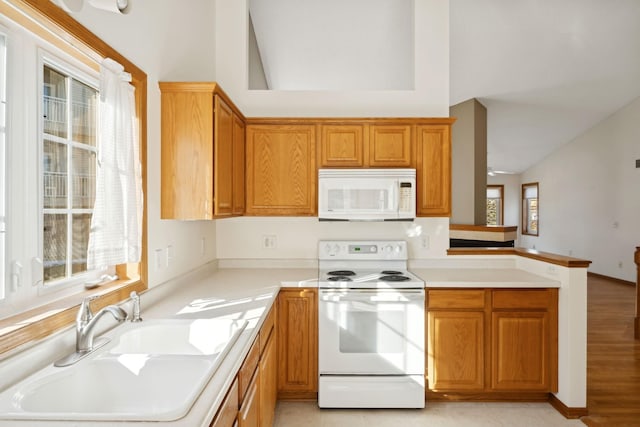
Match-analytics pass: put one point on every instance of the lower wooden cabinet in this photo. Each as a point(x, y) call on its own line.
point(227, 414)
point(298, 343)
point(249, 414)
point(268, 382)
point(492, 341)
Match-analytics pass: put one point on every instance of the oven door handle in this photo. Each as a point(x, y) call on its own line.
point(381, 295)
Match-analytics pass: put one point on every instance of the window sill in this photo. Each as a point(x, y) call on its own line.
point(43, 321)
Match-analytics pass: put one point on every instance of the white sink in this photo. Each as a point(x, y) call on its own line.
point(199, 337)
point(151, 371)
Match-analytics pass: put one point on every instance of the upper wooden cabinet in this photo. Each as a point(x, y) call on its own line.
point(390, 146)
point(433, 170)
point(342, 145)
point(281, 170)
point(201, 134)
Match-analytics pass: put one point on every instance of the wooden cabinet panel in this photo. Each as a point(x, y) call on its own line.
point(390, 145)
point(268, 327)
point(268, 382)
point(200, 132)
point(433, 160)
point(223, 155)
point(342, 145)
point(228, 412)
point(281, 171)
point(459, 299)
point(456, 350)
point(187, 149)
point(249, 414)
point(238, 165)
point(297, 325)
point(248, 368)
point(520, 351)
point(523, 299)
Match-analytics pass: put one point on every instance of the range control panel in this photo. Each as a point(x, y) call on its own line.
point(362, 250)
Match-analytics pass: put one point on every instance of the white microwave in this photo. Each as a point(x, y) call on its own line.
point(367, 194)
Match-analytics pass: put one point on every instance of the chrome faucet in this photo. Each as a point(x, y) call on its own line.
point(135, 308)
point(85, 324)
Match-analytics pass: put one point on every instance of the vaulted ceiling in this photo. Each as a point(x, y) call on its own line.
point(546, 70)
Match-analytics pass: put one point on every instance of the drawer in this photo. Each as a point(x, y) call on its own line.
point(522, 298)
point(455, 298)
point(226, 416)
point(248, 368)
point(267, 328)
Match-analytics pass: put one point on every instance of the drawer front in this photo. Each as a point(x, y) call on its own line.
point(248, 368)
point(522, 298)
point(267, 328)
point(455, 298)
point(226, 416)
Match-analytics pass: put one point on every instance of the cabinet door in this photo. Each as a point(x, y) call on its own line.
point(456, 350)
point(227, 414)
point(268, 382)
point(223, 158)
point(187, 155)
point(238, 165)
point(249, 414)
point(433, 170)
point(390, 145)
point(342, 145)
point(281, 171)
point(297, 326)
point(520, 351)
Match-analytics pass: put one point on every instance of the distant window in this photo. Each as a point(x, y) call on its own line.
point(530, 209)
point(495, 205)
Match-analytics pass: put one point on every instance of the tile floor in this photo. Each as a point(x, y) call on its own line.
point(437, 414)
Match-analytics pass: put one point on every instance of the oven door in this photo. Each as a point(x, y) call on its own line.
point(368, 331)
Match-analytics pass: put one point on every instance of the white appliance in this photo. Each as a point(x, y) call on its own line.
point(371, 327)
point(367, 194)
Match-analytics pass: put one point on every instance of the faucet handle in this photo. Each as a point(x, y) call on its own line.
point(84, 313)
point(135, 310)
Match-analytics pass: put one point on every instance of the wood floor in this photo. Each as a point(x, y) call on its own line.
point(613, 356)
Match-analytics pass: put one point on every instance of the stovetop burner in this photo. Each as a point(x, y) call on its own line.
point(390, 272)
point(339, 279)
point(341, 273)
point(394, 278)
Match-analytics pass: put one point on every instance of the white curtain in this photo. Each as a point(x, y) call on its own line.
point(116, 225)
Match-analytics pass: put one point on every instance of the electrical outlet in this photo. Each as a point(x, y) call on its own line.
point(424, 242)
point(269, 241)
point(159, 260)
point(203, 246)
point(619, 264)
point(169, 255)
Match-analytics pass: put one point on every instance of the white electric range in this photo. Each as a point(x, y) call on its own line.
point(371, 326)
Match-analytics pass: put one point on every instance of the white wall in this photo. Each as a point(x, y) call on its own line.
point(170, 41)
point(297, 238)
point(590, 196)
point(430, 98)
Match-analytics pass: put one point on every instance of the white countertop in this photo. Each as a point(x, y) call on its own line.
point(482, 278)
point(242, 293)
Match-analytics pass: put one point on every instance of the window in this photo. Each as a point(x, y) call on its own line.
point(530, 209)
point(495, 206)
point(68, 171)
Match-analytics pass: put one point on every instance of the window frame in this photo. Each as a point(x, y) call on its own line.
point(4, 33)
point(500, 188)
point(91, 79)
point(49, 22)
point(526, 231)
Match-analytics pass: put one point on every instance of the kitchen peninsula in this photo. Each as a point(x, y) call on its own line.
point(248, 291)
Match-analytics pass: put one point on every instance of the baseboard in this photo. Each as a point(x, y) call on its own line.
point(298, 395)
point(487, 396)
point(612, 279)
point(570, 413)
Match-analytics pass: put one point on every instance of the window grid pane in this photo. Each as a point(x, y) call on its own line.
point(69, 173)
point(3, 104)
